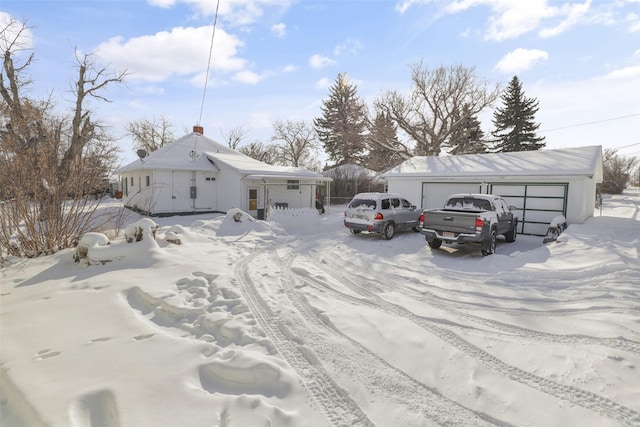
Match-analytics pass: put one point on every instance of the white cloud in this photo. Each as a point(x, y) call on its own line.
point(289, 68)
point(320, 61)
point(181, 51)
point(246, 76)
point(280, 30)
point(631, 72)
point(235, 12)
point(350, 45)
point(511, 18)
point(634, 22)
point(150, 90)
point(162, 3)
point(14, 33)
point(574, 12)
point(514, 18)
point(136, 104)
point(404, 5)
point(323, 83)
point(520, 60)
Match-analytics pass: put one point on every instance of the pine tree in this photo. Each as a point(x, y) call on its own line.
point(515, 127)
point(468, 138)
point(342, 127)
point(385, 150)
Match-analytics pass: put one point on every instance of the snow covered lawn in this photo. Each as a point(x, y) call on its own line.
point(299, 323)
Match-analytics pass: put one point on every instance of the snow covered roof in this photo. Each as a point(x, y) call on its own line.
point(257, 169)
point(197, 152)
point(579, 161)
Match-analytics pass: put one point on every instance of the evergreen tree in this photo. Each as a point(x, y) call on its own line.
point(385, 150)
point(342, 127)
point(468, 138)
point(515, 127)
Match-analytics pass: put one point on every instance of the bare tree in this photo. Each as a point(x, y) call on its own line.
point(616, 171)
point(297, 143)
point(433, 109)
point(259, 151)
point(51, 165)
point(348, 180)
point(234, 137)
point(149, 135)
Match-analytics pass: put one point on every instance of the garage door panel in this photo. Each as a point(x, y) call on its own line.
point(540, 216)
point(535, 229)
point(518, 202)
point(545, 190)
point(508, 190)
point(434, 194)
point(545, 204)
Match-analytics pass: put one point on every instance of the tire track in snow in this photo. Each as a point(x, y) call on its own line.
point(334, 402)
point(618, 343)
point(586, 399)
point(372, 371)
point(631, 303)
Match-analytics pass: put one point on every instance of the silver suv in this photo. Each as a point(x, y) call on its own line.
point(380, 213)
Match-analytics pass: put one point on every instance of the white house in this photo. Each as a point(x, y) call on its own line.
point(195, 174)
point(540, 184)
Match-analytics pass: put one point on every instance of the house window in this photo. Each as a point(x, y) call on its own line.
point(148, 181)
point(293, 184)
point(253, 199)
point(132, 181)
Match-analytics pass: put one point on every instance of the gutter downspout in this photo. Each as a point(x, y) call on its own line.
point(264, 197)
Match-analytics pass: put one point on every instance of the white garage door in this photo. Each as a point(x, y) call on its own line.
point(434, 194)
point(536, 204)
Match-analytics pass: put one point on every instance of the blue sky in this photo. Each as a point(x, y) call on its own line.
point(275, 59)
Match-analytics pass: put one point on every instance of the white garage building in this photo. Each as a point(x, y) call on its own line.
point(540, 184)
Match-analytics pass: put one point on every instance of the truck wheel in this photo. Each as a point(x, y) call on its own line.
point(490, 246)
point(389, 230)
point(511, 235)
point(354, 231)
point(435, 243)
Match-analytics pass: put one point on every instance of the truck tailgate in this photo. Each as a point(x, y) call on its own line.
point(451, 221)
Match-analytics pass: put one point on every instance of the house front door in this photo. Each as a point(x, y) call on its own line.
point(253, 202)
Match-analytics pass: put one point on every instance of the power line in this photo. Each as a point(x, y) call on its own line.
point(206, 79)
point(627, 146)
point(591, 123)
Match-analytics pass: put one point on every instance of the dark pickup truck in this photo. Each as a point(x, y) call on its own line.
point(470, 218)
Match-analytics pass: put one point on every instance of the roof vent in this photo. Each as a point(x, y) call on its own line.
point(198, 129)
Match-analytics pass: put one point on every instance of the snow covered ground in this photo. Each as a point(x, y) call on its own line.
point(295, 322)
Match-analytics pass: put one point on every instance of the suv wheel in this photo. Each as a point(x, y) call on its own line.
point(389, 230)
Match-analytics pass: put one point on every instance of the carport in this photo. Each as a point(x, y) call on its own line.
point(540, 184)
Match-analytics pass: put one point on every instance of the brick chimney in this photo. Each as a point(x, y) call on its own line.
point(198, 129)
